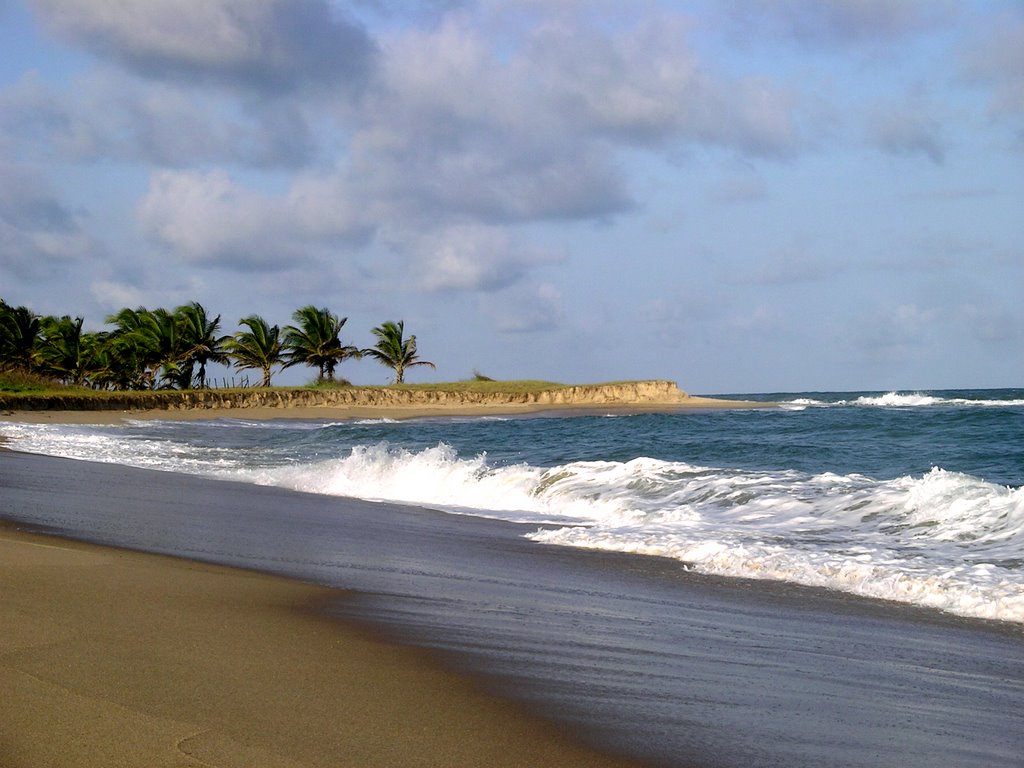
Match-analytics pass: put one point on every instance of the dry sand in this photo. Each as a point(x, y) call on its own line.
point(116, 658)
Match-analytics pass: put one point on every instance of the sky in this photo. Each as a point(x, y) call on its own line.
point(738, 195)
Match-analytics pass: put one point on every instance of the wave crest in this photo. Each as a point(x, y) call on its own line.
point(901, 400)
point(942, 539)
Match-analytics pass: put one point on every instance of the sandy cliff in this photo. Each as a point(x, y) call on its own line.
point(639, 393)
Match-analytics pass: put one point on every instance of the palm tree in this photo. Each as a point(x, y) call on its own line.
point(394, 351)
point(151, 342)
point(133, 346)
point(127, 350)
point(199, 340)
point(315, 340)
point(64, 352)
point(105, 368)
point(259, 348)
point(20, 333)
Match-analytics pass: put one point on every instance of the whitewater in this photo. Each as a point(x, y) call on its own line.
point(908, 496)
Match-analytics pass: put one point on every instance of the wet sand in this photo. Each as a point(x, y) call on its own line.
point(633, 655)
point(115, 658)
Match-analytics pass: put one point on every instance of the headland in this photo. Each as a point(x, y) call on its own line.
point(396, 402)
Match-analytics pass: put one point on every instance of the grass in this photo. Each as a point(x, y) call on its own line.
point(524, 386)
point(23, 381)
point(476, 384)
point(317, 384)
point(14, 385)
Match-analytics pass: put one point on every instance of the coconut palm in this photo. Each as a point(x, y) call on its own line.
point(125, 347)
point(315, 340)
point(259, 348)
point(64, 351)
point(394, 351)
point(133, 346)
point(104, 369)
point(199, 341)
point(151, 342)
point(20, 336)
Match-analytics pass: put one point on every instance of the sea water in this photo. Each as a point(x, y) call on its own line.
point(908, 496)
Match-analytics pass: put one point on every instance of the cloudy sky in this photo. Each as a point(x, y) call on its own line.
point(740, 195)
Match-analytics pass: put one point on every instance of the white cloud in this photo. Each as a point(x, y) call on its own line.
point(449, 130)
point(205, 217)
point(525, 309)
point(267, 45)
point(114, 294)
point(475, 258)
point(107, 115)
point(646, 87)
point(208, 218)
point(454, 132)
point(454, 129)
point(38, 233)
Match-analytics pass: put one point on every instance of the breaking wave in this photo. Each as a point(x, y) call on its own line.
point(945, 540)
point(901, 400)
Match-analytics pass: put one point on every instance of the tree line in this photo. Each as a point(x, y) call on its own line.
point(170, 349)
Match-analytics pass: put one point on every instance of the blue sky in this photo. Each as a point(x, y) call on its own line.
point(742, 195)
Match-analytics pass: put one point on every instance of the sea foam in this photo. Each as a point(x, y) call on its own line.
point(942, 539)
point(901, 400)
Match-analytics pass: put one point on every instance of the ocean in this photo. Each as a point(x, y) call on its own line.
point(744, 575)
point(913, 497)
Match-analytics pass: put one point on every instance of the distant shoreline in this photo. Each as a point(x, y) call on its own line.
point(357, 402)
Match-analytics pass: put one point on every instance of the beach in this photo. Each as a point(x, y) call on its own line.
point(571, 650)
point(115, 658)
point(362, 403)
point(340, 413)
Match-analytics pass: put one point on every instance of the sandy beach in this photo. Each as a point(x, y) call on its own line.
point(340, 413)
point(124, 659)
point(115, 658)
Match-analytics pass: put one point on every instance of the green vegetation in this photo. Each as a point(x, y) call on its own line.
point(526, 386)
point(146, 353)
point(258, 348)
point(315, 340)
point(20, 381)
point(160, 349)
point(394, 351)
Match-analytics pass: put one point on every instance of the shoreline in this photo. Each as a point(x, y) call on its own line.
point(117, 657)
point(342, 413)
point(636, 656)
point(360, 402)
